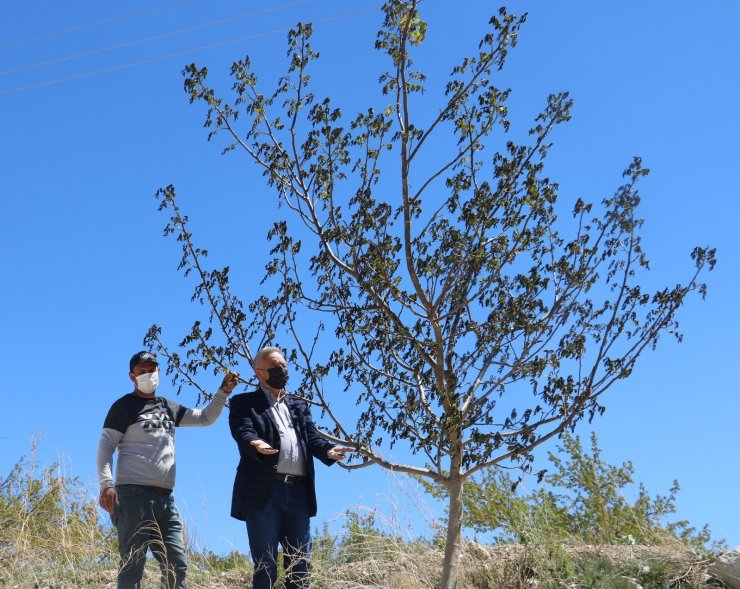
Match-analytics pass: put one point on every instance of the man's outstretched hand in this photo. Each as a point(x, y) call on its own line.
point(338, 453)
point(263, 447)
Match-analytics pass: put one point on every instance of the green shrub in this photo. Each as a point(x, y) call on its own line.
point(583, 500)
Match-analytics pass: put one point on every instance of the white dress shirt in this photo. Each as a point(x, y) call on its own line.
point(291, 459)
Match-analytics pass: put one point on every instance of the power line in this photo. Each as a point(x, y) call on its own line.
point(212, 23)
point(175, 54)
point(93, 25)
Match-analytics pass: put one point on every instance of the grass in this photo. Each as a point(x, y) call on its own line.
point(52, 535)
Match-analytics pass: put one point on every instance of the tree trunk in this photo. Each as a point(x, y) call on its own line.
point(453, 546)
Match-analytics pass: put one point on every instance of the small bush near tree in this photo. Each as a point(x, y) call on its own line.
point(583, 499)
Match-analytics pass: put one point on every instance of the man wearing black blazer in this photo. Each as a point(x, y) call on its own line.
point(274, 491)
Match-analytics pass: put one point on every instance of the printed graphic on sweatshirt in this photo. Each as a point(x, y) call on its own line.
point(153, 422)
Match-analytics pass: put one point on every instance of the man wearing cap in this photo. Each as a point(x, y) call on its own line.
point(274, 486)
point(141, 426)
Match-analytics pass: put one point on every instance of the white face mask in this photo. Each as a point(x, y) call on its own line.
point(147, 383)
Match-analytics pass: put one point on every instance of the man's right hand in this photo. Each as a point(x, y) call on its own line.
point(108, 499)
point(229, 382)
point(263, 447)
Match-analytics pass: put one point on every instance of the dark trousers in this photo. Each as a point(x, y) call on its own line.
point(147, 520)
point(284, 521)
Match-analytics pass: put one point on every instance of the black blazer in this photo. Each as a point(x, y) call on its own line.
point(250, 420)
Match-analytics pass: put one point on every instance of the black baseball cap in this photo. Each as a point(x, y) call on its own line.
point(140, 357)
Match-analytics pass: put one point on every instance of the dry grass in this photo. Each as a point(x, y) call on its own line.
point(511, 566)
point(388, 564)
point(50, 530)
point(52, 536)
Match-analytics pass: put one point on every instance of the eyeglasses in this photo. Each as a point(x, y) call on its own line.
point(273, 366)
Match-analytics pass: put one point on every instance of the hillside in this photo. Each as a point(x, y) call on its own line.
point(578, 531)
point(379, 563)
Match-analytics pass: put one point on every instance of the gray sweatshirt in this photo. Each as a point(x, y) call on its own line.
point(143, 431)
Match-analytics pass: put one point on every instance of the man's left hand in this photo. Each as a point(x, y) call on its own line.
point(338, 453)
point(230, 381)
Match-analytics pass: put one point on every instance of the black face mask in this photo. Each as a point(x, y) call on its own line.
point(278, 377)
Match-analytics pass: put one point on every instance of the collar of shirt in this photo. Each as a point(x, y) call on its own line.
point(271, 400)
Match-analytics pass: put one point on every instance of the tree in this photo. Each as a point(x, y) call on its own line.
point(468, 320)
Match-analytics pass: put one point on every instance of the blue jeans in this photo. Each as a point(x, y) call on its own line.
point(284, 520)
point(147, 520)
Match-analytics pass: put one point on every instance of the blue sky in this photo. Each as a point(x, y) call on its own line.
point(93, 120)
